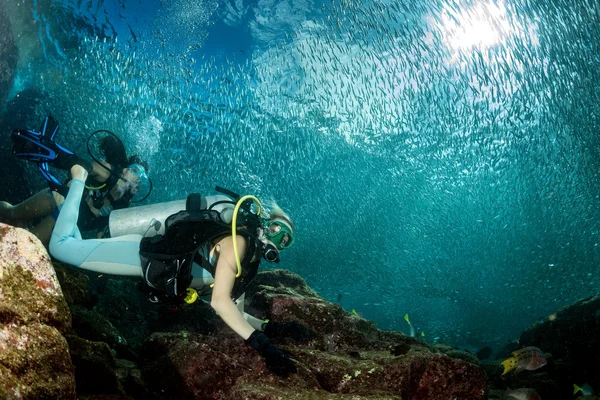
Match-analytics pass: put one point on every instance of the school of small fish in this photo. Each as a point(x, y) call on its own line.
point(448, 149)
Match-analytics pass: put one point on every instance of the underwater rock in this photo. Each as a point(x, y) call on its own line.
point(189, 366)
point(484, 353)
point(121, 303)
point(573, 339)
point(334, 329)
point(9, 55)
point(131, 379)
point(347, 355)
point(506, 350)
point(34, 356)
point(463, 355)
point(91, 325)
point(75, 286)
point(94, 367)
point(570, 341)
point(454, 353)
point(280, 281)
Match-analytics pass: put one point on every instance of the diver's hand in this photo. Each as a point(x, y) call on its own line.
point(277, 361)
point(78, 172)
point(294, 330)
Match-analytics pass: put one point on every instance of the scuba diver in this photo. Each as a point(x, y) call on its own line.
point(113, 181)
point(209, 246)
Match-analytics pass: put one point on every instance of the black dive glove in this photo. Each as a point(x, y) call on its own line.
point(294, 330)
point(277, 360)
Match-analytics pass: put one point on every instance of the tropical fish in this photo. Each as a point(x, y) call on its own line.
point(412, 328)
point(358, 314)
point(529, 358)
point(586, 389)
point(522, 394)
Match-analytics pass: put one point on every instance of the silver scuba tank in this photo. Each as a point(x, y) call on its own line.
point(150, 220)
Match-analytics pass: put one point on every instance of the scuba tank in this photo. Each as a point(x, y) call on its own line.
point(149, 220)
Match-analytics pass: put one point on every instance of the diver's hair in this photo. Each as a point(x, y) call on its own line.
point(277, 212)
point(114, 152)
point(135, 159)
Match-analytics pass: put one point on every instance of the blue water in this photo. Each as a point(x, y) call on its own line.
point(439, 158)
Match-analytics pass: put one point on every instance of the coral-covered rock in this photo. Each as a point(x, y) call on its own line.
point(281, 281)
point(30, 289)
point(189, 366)
point(347, 357)
point(75, 285)
point(572, 337)
point(334, 328)
point(571, 343)
point(121, 303)
point(463, 355)
point(94, 367)
point(91, 325)
point(34, 356)
point(131, 379)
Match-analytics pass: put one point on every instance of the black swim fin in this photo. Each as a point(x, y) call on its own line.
point(40, 147)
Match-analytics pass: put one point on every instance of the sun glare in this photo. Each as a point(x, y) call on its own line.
point(484, 25)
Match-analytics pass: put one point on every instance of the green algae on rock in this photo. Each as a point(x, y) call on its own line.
point(34, 357)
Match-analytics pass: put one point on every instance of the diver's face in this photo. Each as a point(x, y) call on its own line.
point(129, 182)
point(132, 181)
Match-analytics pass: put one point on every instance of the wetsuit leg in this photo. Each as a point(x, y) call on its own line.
point(117, 256)
point(36, 206)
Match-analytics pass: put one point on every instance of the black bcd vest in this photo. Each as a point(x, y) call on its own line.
point(167, 259)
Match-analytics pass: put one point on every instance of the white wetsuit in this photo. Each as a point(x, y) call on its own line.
point(116, 256)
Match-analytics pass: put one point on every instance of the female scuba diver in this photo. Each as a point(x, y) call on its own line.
point(202, 251)
point(114, 181)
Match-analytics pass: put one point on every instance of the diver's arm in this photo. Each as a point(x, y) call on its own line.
point(99, 172)
point(253, 321)
point(224, 279)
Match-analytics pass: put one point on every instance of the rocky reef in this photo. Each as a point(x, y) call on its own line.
point(66, 333)
point(35, 362)
point(117, 346)
point(571, 340)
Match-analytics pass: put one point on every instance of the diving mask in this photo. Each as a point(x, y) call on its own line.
point(279, 233)
point(143, 186)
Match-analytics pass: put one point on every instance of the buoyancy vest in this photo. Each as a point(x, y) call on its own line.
point(167, 259)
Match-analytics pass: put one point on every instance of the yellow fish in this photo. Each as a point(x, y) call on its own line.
point(528, 358)
point(412, 328)
point(509, 364)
